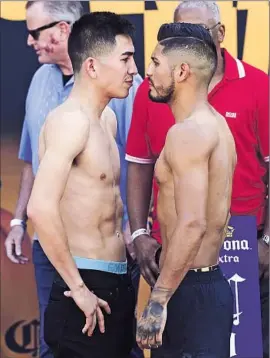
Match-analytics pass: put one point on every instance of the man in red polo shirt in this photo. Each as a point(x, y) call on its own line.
point(247, 117)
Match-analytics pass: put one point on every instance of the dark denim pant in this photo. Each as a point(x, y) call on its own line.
point(264, 290)
point(44, 272)
point(200, 317)
point(64, 320)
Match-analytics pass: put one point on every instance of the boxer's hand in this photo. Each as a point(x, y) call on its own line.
point(263, 251)
point(145, 249)
point(13, 245)
point(91, 306)
point(151, 325)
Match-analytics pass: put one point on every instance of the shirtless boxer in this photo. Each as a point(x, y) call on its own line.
point(75, 203)
point(191, 299)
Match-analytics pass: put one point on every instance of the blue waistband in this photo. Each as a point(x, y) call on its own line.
point(82, 263)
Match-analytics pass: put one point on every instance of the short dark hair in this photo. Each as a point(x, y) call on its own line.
point(191, 38)
point(93, 33)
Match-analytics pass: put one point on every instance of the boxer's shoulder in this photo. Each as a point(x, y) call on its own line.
point(66, 124)
point(190, 140)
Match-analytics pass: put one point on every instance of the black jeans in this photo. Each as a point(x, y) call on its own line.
point(200, 317)
point(64, 320)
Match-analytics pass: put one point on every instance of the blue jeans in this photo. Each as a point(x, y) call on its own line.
point(45, 272)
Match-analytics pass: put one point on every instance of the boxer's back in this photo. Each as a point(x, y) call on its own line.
point(91, 206)
point(215, 142)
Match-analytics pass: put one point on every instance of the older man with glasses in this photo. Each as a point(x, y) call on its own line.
point(49, 25)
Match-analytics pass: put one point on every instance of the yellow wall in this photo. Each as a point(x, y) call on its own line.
point(256, 47)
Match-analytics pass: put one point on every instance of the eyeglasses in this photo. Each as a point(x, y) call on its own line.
point(36, 32)
point(210, 28)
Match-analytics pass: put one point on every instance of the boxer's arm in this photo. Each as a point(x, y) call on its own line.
point(65, 139)
point(190, 176)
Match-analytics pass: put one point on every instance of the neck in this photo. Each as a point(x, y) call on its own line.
point(220, 64)
point(91, 99)
point(186, 102)
point(65, 66)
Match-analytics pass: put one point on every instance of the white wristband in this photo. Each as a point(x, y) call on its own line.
point(17, 222)
point(265, 239)
point(139, 232)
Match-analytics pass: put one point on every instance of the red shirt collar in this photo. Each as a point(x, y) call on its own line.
point(233, 68)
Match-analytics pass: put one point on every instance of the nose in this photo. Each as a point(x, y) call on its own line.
point(30, 40)
point(149, 71)
point(133, 68)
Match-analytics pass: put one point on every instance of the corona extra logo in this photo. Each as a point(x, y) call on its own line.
point(230, 231)
point(22, 337)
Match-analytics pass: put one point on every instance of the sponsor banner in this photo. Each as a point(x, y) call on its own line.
point(239, 262)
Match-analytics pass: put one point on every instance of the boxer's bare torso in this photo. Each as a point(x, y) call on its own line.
point(91, 207)
point(218, 145)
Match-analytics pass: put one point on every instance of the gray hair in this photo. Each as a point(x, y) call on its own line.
point(212, 6)
point(69, 11)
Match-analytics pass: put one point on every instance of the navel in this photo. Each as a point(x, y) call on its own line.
point(102, 176)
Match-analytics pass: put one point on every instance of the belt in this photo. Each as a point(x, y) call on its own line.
point(206, 269)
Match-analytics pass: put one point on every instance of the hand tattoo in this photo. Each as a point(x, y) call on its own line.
point(152, 323)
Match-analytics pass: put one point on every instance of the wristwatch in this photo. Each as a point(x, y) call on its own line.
point(265, 238)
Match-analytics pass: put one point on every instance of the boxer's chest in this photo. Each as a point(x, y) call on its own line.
point(162, 173)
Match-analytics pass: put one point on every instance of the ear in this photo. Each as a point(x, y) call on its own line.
point(90, 66)
point(221, 33)
point(182, 72)
point(64, 30)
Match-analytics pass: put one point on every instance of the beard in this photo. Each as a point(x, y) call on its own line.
point(164, 95)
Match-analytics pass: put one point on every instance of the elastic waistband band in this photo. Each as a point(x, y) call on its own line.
point(206, 269)
point(119, 268)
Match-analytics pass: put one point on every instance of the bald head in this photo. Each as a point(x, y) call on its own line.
point(209, 8)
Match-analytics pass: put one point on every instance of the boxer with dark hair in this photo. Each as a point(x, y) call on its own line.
point(75, 205)
point(190, 310)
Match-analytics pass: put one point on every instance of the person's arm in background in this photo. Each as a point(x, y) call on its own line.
point(139, 185)
point(262, 92)
point(15, 237)
point(123, 110)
